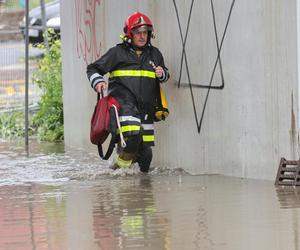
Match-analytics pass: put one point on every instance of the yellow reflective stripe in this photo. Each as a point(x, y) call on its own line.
point(148, 137)
point(129, 128)
point(122, 163)
point(120, 73)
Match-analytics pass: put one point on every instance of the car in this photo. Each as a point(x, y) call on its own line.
point(52, 16)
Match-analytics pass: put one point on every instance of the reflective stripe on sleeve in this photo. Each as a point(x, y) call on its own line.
point(96, 78)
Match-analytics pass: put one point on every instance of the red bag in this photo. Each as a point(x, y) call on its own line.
point(100, 122)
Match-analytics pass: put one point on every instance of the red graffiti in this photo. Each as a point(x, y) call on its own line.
point(87, 45)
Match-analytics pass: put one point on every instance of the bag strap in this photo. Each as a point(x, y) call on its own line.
point(109, 150)
point(112, 141)
point(100, 95)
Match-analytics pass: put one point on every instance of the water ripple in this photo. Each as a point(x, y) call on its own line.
point(49, 163)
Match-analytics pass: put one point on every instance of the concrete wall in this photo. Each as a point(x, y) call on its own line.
point(247, 126)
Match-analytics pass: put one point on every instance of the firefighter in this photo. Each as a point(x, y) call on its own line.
point(134, 67)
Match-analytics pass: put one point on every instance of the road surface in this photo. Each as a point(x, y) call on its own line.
point(12, 74)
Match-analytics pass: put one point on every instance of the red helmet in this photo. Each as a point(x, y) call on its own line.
point(136, 20)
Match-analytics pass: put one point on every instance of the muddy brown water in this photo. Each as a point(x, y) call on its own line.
point(70, 200)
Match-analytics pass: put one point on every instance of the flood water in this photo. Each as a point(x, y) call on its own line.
point(70, 200)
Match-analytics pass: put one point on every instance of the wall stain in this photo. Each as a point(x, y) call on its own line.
point(293, 130)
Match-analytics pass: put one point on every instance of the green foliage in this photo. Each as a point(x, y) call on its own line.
point(15, 4)
point(49, 118)
point(47, 122)
point(12, 124)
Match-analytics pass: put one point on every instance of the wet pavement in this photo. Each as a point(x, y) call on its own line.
point(70, 200)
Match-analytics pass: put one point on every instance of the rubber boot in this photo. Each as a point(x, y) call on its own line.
point(123, 160)
point(144, 159)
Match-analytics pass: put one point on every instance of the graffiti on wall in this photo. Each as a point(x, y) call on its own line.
point(88, 46)
point(184, 59)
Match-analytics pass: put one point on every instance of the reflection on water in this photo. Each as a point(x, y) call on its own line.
point(56, 200)
point(32, 217)
point(288, 196)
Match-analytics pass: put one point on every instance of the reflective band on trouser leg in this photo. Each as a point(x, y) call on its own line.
point(121, 73)
point(127, 118)
point(122, 163)
point(130, 125)
point(148, 134)
point(148, 138)
point(129, 128)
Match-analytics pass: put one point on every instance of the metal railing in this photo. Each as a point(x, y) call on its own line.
point(12, 58)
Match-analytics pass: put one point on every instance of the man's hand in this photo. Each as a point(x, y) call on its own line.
point(101, 86)
point(159, 71)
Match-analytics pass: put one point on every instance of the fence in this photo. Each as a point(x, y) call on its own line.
point(12, 58)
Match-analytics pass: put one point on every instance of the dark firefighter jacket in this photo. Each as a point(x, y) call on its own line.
point(132, 79)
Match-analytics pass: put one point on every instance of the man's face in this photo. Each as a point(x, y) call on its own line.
point(140, 38)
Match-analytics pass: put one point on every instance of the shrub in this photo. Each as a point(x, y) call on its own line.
point(11, 124)
point(48, 120)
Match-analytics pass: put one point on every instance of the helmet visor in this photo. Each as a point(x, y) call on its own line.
point(141, 29)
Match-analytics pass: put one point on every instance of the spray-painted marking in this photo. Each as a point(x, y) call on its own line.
point(218, 59)
point(88, 47)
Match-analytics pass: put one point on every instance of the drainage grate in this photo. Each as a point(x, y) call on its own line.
point(288, 173)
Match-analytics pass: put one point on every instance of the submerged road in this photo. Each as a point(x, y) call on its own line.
point(72, 200)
